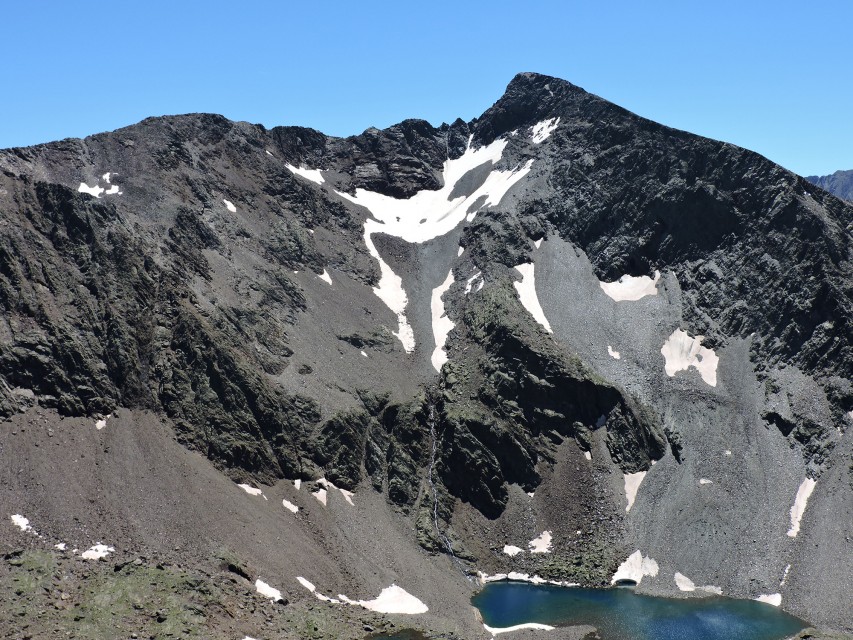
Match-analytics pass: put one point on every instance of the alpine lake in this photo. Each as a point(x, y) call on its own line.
point(619, 613)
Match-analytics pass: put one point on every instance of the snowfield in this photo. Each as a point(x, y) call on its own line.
point(527, 294)
point(631, 288)
point(430, 214)
point(680, 352)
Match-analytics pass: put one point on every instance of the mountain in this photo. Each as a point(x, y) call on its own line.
point(558, 327)
point(839, 184)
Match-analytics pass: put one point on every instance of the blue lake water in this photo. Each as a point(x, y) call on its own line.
point(621, 614)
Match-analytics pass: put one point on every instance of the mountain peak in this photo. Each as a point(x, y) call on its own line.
point(528, 98)
point(434, 336)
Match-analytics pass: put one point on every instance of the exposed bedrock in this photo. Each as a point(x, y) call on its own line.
point(514, 389)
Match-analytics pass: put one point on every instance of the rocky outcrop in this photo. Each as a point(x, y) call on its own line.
point(514, 393)
point(737, 229)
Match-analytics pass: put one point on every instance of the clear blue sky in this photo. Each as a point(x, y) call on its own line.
point(776, 77)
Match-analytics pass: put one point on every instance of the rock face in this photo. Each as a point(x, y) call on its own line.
point(221, 275)
point(838, 184)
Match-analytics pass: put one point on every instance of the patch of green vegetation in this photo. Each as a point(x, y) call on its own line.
point(230, 561)
point(315, 624)
point(169, 599)
point(590, 567)
point(322, 621)
point(55, 596)
point(36, 570)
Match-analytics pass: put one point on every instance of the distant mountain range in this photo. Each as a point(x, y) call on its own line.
point(839, 183)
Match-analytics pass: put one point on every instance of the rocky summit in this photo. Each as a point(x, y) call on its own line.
point(269, 383)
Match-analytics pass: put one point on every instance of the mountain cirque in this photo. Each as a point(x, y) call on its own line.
point(433, 343)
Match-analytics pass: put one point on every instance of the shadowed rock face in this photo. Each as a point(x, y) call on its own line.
point(195, 293)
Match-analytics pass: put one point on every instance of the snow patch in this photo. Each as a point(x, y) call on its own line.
point(774, 598)
point(631, 288)
point(320, 494)
point(613, 354)
point(97, 552)
point(100, 424)
point(527, 625)
point(632, 483)
point(799, 508)
point(680, 352)
point(298, 484)
point(363, 353)
point(325, 277)
point(92, 191)
point(290, 506)
point(512, 550)
point(395, 599)
point(522, 577)
point(390, 291)
point(785, 576)
point(587, 455)
point(441, 324)
point(252, 491)
point(314, 175)
point(684, 583)
point(527, 294)
point(22, 523)
point(391, 599)
point(728, 452)
point(542, 130)
point(267, 591)
point(61, 546)
point(705, 481)
point(470, 282)
point(229, 205)
point(330, 486)
point(541, 544)
point(538, 243)
point(306, 584)
point(484, 579)
point(324, 598)
point(635, 568)
point(97, 190)
point(430, 214)
point(460, 251)
point(525, 577)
